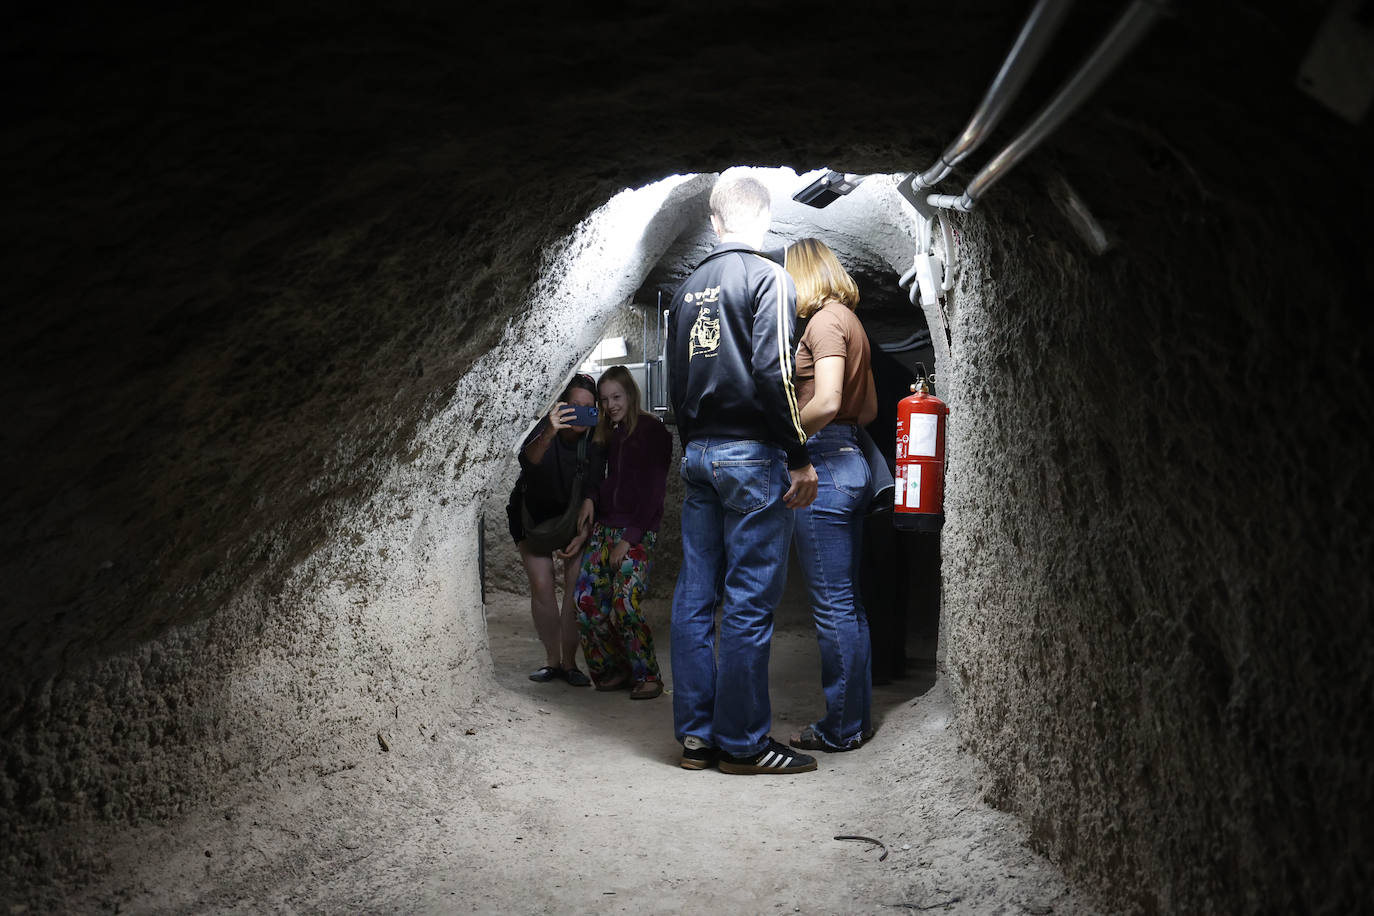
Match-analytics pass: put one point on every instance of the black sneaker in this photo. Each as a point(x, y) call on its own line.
point(697, 754)
point(775, 758)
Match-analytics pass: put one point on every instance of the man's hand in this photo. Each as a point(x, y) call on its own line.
point(802, 493)
point(585, 515)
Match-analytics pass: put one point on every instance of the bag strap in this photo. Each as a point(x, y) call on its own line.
point(578, 474)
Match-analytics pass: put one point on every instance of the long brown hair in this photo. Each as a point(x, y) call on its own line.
point(622, 377)
point(819, 276)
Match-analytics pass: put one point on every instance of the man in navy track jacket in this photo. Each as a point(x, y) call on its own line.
point(731, 342)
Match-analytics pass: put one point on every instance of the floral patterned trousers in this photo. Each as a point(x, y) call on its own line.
point(615, 636)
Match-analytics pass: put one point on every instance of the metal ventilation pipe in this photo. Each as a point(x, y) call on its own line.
point(1035, 36)
point(1128, 31)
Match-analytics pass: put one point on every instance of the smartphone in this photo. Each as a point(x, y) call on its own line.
point(582, 416)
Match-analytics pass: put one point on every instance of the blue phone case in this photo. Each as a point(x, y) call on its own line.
point(585, 416)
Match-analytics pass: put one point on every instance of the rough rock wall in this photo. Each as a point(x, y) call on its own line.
point(377, 631)
point(1156, 564)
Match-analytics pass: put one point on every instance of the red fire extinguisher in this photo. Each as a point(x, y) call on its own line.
point(920, 492)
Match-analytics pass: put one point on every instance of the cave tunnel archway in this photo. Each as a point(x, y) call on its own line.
point(651, 238)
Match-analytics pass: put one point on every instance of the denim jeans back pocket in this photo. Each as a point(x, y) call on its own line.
point(743, 485)
point(848, 471)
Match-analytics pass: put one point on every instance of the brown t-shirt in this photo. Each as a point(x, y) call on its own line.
point(835, 331)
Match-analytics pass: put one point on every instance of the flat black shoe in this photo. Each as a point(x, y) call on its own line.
point(576, 678)
point(548, 673)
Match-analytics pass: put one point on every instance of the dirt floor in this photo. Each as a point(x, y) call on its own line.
point(545, 798)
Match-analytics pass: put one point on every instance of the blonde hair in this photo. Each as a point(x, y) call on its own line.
point(622, 377)
point(819, 276)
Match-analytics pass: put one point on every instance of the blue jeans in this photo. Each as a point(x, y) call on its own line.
point(829, 539)
point(735, 536)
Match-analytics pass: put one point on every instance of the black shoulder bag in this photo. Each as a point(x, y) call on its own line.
point(557, 532)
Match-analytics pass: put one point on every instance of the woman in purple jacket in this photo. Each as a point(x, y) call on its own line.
point(615, 569)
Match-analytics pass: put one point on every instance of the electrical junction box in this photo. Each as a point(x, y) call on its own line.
point(927, 268)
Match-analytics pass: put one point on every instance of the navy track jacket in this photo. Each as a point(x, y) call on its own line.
point(731, 343)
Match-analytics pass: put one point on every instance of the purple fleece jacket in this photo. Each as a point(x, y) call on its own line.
point(631, 493)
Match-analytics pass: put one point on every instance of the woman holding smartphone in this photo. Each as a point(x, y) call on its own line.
point(615, 570)
point(549, 463)
point(836, 395)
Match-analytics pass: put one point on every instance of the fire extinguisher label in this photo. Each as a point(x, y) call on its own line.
point(913, 486)
point(923, 431)
point(899, 491)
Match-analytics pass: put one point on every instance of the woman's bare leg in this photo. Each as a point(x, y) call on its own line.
point(544, 606)
point(568, 621)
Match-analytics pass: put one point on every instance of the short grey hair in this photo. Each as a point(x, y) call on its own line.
point(740, 202)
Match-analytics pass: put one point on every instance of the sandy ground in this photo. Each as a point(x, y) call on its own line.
point(545, 798)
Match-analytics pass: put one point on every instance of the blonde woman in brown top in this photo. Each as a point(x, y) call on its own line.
point(836, 394)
